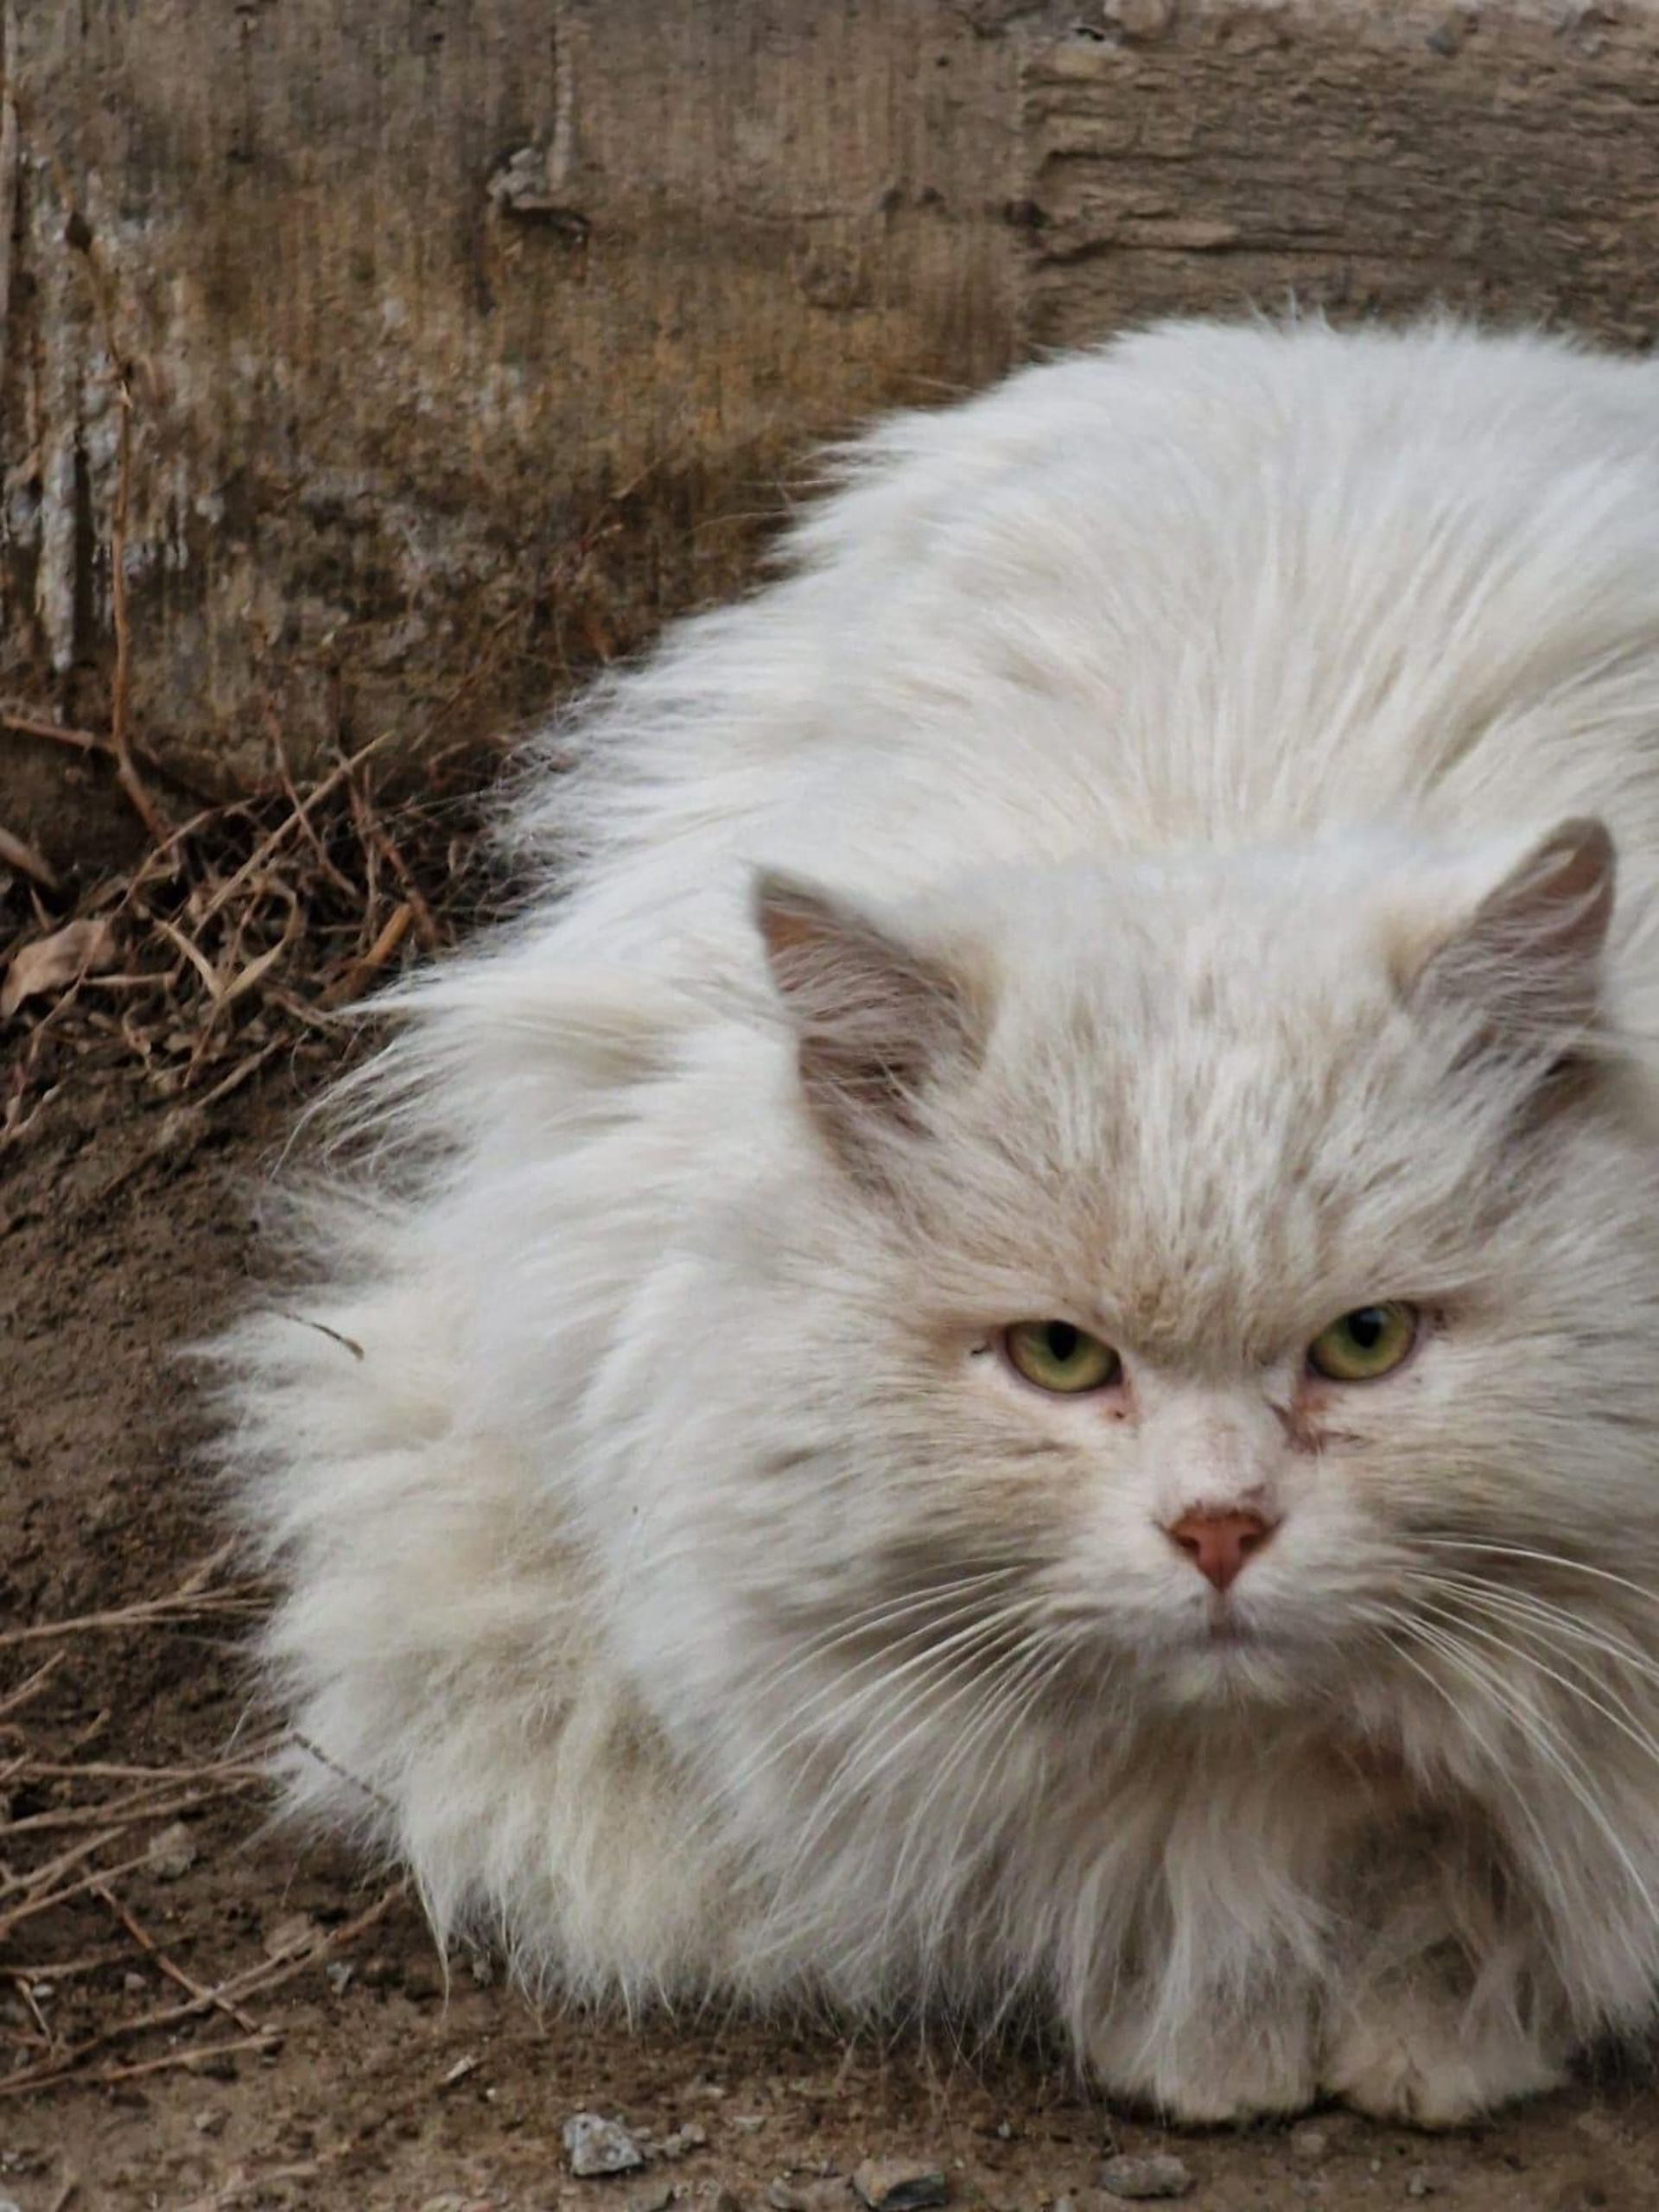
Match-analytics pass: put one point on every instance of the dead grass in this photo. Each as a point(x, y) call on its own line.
point(241, 933)
point(103, 1825)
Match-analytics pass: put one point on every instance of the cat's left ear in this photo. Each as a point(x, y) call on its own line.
point(1527, 961)
point(878, 1023)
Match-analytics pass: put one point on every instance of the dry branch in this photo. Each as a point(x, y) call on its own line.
point(16, 852)
point(174, 1971)
point(268, 1975)
point(239, 933)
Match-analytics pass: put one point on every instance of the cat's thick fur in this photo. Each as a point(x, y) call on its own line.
point(1118, 871)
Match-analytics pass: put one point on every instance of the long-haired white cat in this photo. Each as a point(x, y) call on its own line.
point(1007, 1355)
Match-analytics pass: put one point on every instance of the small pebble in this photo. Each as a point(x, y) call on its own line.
point(171, 1854)
point(690, 2138)
point(134, 1984)
point(179, 1129)
point(748, 2123)
point(293, 1937)
point(1161, 2175)
point(894, 2185)
point(338, 1976)
point(1309, 2144)
point(600, 2146)
point(1427, 2180)
point(210, 2122)
point(786, 2196)
point(655, 2196)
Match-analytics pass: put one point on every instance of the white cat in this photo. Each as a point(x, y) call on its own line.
point(1006, 1354)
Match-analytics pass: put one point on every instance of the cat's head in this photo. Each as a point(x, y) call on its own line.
point(1225, 1258)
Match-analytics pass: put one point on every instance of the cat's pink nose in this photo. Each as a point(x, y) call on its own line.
point(1219, 1545)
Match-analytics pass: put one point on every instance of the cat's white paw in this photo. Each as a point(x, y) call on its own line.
point(1206, 2081)
point(1431, 2067)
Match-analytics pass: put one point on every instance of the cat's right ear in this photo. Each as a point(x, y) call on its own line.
point(878, 1023)
point(1526, 962)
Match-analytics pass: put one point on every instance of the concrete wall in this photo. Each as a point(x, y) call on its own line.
point(458, 338)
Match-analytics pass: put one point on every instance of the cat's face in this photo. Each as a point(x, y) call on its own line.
point(1215, 1259)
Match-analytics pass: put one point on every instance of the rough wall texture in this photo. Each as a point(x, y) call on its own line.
point(454, 338)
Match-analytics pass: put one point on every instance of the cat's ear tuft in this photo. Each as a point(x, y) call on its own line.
point(877, 1023)
point(1527, 959)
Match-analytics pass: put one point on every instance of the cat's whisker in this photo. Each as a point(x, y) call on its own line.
point(1613, 1640)
point(881, 1661)
point(930, 1610)
point(1007, 1711)
point(1565, 1634)
point(933, 1668)
point(1627, 1725)
point(1546, 1858)
point(793, 1903)
point(1545, 1741)
point(1030, 1669)
point(855, 1777)
point(1460, 1580)
point(1544, 1558)
point(993, 1699)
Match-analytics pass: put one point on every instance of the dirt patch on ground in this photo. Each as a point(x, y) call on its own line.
point(335, 2070)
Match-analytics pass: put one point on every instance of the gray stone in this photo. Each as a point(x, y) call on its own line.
point(171, 1854)
point(600, 2146)
point(899, 2185)
point(1161, 2175)
point(785, 2195)
point(293, 1937)
point(690, 2138)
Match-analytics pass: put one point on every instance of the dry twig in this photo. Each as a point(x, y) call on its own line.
point(16, 852)
point(239, 934)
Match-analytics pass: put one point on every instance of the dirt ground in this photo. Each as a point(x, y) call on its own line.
point(330, 2069)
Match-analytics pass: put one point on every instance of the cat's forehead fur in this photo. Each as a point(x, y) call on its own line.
point(1207, 1114)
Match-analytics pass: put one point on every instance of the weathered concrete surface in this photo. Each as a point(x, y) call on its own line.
point(462, 336)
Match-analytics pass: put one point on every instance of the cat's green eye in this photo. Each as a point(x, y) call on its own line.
point(1056, 1357)
point(1365, 1345)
